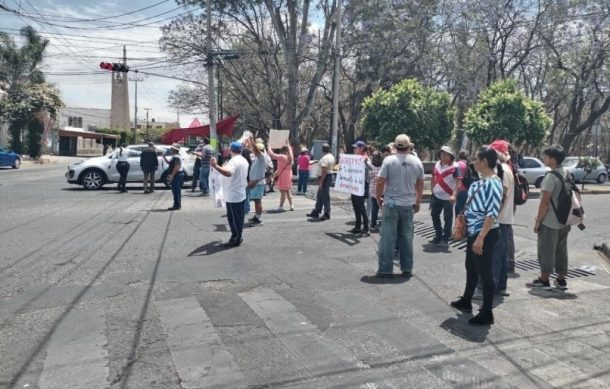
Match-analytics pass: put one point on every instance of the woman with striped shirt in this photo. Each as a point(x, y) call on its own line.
point(482, 209)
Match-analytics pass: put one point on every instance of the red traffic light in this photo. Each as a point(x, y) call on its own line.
point(115, 67)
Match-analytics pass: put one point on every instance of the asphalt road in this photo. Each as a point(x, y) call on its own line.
point(108, 290)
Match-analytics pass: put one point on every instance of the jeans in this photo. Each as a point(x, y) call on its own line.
point(303, 177)
point(323, 196)
point(149, 179)
point(510, 248)
point(247, 202)
point(374, 212)
point(499, 264)
point(439, 206)
point(460, 201)
point(235, 216)
point(204, 176)
point(362, 219)
point(196, 173)
point(397, 226)
point(123, 169)
point(480, 266)
point(177, 189)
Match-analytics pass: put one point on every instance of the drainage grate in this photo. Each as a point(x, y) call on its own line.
point(534, 266)
point(426, 231)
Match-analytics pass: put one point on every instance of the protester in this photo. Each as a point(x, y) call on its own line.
point(386, 150)
point(400, 186)
point(256, 183)
point(325, 180)
point(248, 153)
point(149, 164)
point(552, 235)
point(283, 174)
point(303, 163)
point(446, 181)
point(376, 161)
point(196, 168)
point(204, 173)
point(176, 176)
point(362, 219)
point(234, 191)
point(505, 218)
point(482, 210)
point(122, 166)
point(463, 189)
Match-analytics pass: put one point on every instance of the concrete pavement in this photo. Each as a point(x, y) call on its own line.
point(100, 289)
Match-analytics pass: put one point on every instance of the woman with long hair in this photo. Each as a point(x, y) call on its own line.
point(283, 174)
point(481, 211)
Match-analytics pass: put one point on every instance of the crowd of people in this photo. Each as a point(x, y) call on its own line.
point(481, 190)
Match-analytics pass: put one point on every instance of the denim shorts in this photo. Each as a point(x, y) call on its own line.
point(257, 192)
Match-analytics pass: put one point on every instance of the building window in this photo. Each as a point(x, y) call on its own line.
point(80, 123)
point(70, 121)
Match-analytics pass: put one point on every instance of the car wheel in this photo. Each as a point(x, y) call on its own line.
point(17, 164)
point(92, 179)
point(601, 178)
point(164, 179)
point(538, 182)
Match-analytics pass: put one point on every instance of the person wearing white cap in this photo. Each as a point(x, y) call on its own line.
point(446, 183)
point(303, 164)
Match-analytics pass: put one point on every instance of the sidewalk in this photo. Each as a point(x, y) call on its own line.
point(48, 159)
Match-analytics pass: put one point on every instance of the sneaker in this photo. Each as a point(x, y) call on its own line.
point(462, 305)
point(538, 283)
point(444, 243)
point(435, 241)
point(355, 231)
point(256, 222)
point(366, 232)
point(325, 217)
point(252, 219)
point(313, 214)
point(406, 274)
point(291, 208)
point(560, 283)
point(173, 208)
point(482, 319)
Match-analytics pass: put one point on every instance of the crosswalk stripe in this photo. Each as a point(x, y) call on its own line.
point(200, 358)
point(318, 354)
point(76, 357)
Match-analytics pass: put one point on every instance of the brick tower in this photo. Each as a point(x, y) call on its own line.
point(119, 113)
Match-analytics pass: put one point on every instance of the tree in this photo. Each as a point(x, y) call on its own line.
point(503, 111)
point(408, 107)
point(27, 93)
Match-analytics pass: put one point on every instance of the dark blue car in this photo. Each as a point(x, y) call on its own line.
point(9, 158)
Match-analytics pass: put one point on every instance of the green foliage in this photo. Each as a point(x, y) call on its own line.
point(408, 107)
point(34, 137)
point(503, 111)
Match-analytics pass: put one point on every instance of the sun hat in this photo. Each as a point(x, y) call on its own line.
point(402, 141)
point(236, 147)
point(447, 150)
point(175, 146)
point(304, 149)
point(260, 146)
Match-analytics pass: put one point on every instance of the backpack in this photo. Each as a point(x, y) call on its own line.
point(470, 175)
point(568, 209)
point(522, 189)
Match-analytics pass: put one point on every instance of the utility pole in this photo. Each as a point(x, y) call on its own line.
point(210, 66)
point(147, 132)
point(337, 76)
point(135, 114)
point(220, 113)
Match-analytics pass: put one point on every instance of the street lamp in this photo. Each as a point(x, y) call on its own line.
point(596, 132)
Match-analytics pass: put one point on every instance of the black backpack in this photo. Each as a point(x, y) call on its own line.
point(565, 207)
point(521, 187)
point(470, 175)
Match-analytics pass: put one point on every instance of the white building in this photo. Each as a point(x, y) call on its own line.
point(76, 132)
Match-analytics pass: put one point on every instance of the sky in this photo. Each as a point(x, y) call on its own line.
point(78, 46)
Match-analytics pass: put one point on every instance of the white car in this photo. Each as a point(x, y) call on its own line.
point(533, 170)
point(93, 173)
point(599, 175)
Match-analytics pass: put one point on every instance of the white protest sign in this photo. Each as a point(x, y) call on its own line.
point(350, 178)
point(278, 138)
point(216, 189)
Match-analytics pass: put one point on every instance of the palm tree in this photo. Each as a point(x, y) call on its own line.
point(27, 93)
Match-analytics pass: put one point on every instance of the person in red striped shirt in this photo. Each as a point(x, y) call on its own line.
point(446, 183)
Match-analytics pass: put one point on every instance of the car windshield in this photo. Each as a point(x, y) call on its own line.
point(570, 162)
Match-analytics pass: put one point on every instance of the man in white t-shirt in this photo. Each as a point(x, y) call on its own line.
point(234, 184)
point(325, 180)
point(499, 264)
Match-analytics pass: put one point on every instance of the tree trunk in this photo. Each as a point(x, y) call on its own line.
point(15, 130)
point(567, 140)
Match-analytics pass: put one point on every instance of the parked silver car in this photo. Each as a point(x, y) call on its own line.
point(533, 170)
point(599, 175)
point(93, 173)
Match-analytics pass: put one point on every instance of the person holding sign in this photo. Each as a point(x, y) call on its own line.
point(283, 174)
point(362, 219)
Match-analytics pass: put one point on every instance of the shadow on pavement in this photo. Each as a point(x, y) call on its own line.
point(554, 293)
point(396, 279)
point(209, 249)
point(432, 248)
point(349, 239)
point(459, 327)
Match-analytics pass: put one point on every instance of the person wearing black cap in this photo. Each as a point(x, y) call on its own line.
point(234, 191)
point(362, 220)
point(325, 180)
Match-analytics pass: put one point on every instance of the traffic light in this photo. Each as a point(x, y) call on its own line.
point(115, 67)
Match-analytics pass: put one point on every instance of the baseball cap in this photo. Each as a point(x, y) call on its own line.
point(304, 150)
point(500, 145)
point(236, 147)
point(359, 144)
point(260, 146)
point(402, 141)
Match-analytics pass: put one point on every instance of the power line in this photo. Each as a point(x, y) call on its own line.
point(87, 38)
